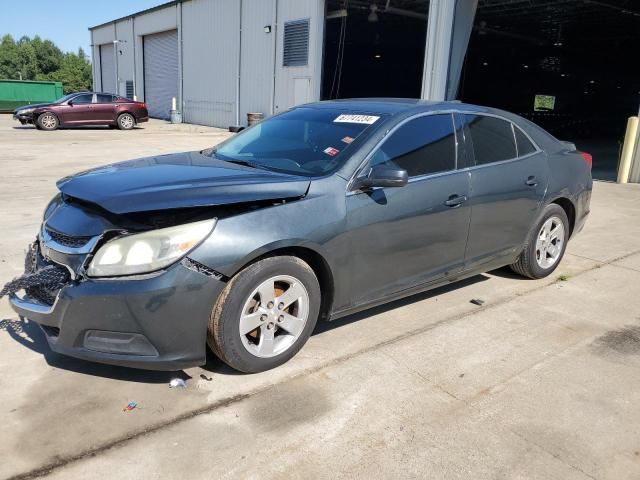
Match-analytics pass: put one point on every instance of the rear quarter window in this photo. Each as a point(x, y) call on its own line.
point(525, 147)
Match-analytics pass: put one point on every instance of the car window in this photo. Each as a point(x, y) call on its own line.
point(103, 98)
point(303, 141)
point(421, 146)
point(83, 99)
point(492, 139)
point(525, 147)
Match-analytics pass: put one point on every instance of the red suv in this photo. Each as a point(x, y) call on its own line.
point(84, 108)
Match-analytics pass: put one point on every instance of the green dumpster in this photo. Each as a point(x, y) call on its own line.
point(15, 93)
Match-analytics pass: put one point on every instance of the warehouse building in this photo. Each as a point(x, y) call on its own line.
point(224, 58)
point(566, 64)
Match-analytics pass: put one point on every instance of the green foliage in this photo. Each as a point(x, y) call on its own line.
point(37, 59)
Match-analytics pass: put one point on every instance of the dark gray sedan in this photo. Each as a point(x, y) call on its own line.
point(316, 213)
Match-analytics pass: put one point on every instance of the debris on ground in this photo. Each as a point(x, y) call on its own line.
point(204, 377)
point(130, 406)
point(477, 301)
point(177, 383)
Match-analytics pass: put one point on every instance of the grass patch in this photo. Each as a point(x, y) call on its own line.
point(563, 277)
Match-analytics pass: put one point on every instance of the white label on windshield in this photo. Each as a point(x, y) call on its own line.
point(362, 119)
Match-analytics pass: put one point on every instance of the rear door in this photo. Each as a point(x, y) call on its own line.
point(411, 235)
point(104, 108)
point(80, 110)
point(509, 177)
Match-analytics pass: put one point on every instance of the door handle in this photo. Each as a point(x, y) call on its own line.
point(531, 181)
point(455, 200)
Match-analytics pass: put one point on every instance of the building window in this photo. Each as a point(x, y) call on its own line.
point(296, 44)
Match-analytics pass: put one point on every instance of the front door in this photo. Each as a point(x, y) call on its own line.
point(509, 178)
point(416, 234)
point(78, 110)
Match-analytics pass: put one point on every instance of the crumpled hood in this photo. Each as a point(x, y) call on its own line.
point(178, 180)
point(33, 105)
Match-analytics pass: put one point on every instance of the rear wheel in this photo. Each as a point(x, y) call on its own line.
point(48, 121)
point(126, 121)
point(265, 314)
point(545, 245)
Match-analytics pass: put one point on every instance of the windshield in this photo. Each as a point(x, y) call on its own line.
point(65, 98)
point(304, 141)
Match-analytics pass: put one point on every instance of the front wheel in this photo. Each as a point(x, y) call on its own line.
point(265, 314)
point(48, 121)
point(545, 245)
point(126, 121)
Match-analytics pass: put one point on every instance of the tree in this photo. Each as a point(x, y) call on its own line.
point(37, 59)
point(48, 56)
point(9, 58)
point(74, 72)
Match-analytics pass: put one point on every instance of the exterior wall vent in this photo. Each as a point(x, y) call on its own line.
point(296, 44)
point(129, 89)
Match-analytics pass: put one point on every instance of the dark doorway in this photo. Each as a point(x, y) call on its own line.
point(569, 65)
point(374, 48)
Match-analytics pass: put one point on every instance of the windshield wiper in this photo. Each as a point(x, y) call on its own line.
point(245, 163)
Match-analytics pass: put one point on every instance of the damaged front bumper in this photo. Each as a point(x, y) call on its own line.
point(157, 321)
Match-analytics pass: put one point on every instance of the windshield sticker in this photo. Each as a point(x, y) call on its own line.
point(332, 152)
point(361, 119)
point(347, 140)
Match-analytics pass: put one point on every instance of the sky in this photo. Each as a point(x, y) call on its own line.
point(65, 22)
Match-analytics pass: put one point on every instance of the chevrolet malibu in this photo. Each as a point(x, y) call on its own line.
point(314, 214)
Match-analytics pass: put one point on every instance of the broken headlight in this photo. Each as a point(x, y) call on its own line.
point(149, 251)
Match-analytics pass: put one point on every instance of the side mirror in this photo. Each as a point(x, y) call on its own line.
point(70, 103)
point(382, 176)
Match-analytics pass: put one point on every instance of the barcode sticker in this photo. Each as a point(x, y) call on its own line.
point(361, 119)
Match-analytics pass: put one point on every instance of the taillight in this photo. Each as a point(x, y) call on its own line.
point(588, 159)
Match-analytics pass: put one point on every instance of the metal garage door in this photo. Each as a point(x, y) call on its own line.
point(160, 72)
point(107, 69)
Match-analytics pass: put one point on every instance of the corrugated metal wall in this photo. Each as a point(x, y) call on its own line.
point(258, 57)
point(210, 56)
point(107, 68)
point(161, 72)
point(211, 89)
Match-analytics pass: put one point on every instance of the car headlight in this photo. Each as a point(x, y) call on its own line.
point(26, 111)
point(149, 251)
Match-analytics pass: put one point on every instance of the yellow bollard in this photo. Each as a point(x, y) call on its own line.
point(630, 140)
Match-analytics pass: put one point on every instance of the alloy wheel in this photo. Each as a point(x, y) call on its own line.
point(274, 316)
point(48, 121)
point(126, 122)
point(550, 242)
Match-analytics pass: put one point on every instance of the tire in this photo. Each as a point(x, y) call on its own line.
point(280, 332)
point(48, 121)
point(126, 121)
point(542, 253)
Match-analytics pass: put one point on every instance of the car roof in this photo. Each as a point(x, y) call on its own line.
point(393, 106)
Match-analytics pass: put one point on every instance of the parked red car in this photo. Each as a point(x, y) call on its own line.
point(84, 108)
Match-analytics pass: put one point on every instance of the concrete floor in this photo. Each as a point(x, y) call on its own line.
point(540, 382)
